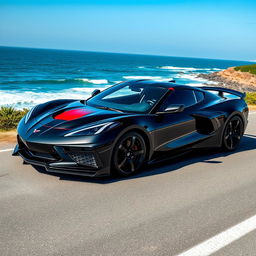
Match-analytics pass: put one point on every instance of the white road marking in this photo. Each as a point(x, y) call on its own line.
point(6, 150)
point(223, 239)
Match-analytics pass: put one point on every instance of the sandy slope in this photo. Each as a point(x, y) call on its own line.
point(230, 78)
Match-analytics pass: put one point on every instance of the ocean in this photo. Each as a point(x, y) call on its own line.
point(32, 76)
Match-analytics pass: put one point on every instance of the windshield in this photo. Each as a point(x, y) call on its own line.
point(137, 98)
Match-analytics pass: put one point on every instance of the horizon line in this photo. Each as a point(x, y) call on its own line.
point(110, 52)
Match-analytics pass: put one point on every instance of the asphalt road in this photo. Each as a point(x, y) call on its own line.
point(165, 210)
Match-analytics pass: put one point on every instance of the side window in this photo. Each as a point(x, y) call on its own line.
point(180, 96)
point(199, 96)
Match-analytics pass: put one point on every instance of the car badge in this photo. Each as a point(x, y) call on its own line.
point(36, 131)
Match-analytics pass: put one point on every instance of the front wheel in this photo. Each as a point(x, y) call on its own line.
point(233, 133)
point(129, 154)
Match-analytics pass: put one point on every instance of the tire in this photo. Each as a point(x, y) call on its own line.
point(129, 154)
point(233, 133)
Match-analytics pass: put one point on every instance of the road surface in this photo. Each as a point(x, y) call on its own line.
point(201, 204)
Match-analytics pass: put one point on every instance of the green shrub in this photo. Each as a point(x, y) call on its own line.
point(247, 68)
point(10, 117)
point(251, 98)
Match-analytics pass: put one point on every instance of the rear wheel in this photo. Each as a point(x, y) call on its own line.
point(129, 154)
point(233, 133)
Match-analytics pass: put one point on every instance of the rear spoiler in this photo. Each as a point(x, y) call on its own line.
point(222, 90)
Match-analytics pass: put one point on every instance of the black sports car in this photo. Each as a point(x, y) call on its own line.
point(130, 124)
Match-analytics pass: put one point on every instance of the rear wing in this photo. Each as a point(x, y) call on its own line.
point(221, 91)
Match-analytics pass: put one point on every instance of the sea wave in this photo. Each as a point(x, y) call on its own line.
point(217, 69)
point(29, 99)
point(93, 81)
point(194, 78)
point(205, 83)
point(58, 81)
point(142, 77)
point(195, 84)
point(173, 68)
point(177, 68)
point(87, 89)
point(191, 76)
point(155, 78)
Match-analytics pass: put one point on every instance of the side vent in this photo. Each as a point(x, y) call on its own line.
point(208, 123)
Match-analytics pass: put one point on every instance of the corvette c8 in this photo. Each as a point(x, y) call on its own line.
point(128, 125)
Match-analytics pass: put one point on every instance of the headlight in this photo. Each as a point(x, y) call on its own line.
point(28, 115)
point(92, 130)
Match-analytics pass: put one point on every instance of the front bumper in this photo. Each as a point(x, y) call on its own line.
point(66, 159)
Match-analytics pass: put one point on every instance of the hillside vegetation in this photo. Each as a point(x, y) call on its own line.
point(10, 117)
point(251, 98)
point(247, 68)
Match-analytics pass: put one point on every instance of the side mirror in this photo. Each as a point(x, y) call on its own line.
point(135, 88)
point(95, 92)
point(173, 108)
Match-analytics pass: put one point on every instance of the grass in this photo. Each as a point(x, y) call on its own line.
point(251, 98)
point(247, 68)
point(10, 117)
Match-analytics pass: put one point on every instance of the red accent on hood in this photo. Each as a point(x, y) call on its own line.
point(72, 114)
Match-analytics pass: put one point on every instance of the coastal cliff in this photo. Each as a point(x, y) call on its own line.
point(239, 78)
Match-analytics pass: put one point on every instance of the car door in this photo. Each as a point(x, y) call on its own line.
point(173, 128)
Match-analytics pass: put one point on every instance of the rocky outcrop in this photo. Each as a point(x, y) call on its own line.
point(230, 78)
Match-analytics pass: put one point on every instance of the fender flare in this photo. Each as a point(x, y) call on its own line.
point(142, 131)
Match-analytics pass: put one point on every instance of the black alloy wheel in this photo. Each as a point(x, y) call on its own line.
point(129, 154)
point(233, 133)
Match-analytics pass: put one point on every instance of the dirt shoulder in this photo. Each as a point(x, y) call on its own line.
point(8, 137)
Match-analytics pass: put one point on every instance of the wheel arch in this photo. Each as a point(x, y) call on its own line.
point(146, 139)
point(233, 114)
point(143, 132)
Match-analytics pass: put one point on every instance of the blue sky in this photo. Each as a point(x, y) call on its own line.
point(209, 29)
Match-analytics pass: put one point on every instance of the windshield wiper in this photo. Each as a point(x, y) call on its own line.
point(108, 108)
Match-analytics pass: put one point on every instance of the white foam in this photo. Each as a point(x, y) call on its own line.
point(217, 69)
point(155, 78)
point(195, 84)
point(194, 77)
point(211, 82)
point(183, 69)
point(142, 77)
point(86, 89)
point(29, 99)
point(191, 77)
point(93, 81)
point(178, 68)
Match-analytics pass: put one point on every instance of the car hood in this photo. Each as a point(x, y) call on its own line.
point(59, 120)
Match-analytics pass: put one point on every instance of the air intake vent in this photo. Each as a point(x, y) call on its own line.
point(84, 158)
